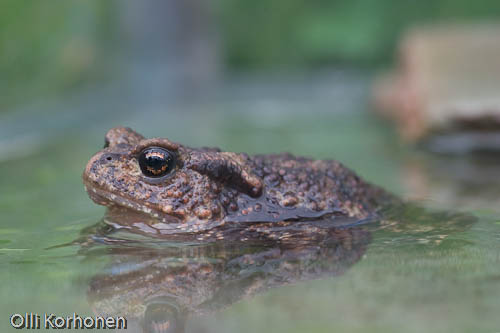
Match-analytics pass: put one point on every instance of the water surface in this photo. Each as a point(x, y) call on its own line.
point(424, 274)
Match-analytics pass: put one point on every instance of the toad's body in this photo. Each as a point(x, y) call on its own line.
point(195, 190)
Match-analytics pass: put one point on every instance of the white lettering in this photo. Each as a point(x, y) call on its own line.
point(32, 321)
point(48, 321)
point(121, 322)
point(99, 322)
point(77, 320)
point(88, 322)
point(59, 322)
point(14, 320)
point(110, 322)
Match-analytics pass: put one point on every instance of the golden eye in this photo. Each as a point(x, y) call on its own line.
point(156, 162)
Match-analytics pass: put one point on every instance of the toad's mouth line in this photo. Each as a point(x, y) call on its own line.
point(105, 198)
point(166, 224)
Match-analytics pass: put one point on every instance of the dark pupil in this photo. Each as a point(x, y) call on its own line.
point(156, 162)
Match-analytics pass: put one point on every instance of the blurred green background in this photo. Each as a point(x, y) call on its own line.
point(283, 75)
point(49, 47)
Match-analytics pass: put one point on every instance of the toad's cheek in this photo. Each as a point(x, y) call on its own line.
point(105, 198)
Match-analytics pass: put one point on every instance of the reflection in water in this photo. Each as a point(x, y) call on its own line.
point(158, 286)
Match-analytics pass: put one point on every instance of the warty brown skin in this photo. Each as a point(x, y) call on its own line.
point(209, 188)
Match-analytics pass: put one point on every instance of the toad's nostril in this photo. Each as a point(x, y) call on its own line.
point(106, 158)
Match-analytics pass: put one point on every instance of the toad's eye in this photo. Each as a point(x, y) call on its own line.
point(156, 162)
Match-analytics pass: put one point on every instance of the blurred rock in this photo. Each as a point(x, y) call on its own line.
point(445, 88)
point(454, 182)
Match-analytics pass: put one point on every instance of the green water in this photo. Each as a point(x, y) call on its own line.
point(429, 276)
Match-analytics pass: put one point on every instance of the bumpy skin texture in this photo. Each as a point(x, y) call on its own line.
point(209, 188)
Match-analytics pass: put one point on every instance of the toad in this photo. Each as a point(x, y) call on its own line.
point(176, 189)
